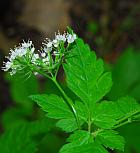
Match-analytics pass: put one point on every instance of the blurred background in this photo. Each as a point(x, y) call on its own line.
point(110, 27)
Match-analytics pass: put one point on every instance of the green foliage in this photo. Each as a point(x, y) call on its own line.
point(126, 75)
point(79, 138)
point(119, 110)
point(20, 138)
point(92, 119)
point(57, 108)
point(126, 78)
point(111, 139)
point(89, 86)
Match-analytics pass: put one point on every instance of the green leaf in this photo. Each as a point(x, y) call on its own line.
point(93, 147)
point(76, 139)
point(125, 107)
point(81, 110)
point(20, 138)
point(107, 114)
point(104, 121)
point(80, 137)
point(111, 139)
point(67, 125)
point(85, 75)
point(126, 75)
point(54, 105)
point(57, 108)
point(101, 117)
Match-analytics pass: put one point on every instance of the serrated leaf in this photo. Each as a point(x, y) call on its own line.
point(76, 139)
point(57, 108)
point(80, 137)
point(86, 148)
point(68, 124)
point(54, 105)
point(85, 76)
point(104, 121)
point(125, 107)
point(102, 118)
point(111, 139)
point(81, 110)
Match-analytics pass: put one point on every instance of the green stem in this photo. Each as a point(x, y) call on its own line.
point(127, 117)
point(68, 100)
point(89, 125)
point(53, 78)
point(119, 125)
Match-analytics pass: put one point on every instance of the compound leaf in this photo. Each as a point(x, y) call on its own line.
point(85, 75)
point(111, 139)
point(57, 108)
point(54, 105)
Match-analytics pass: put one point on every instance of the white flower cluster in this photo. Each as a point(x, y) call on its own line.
point(18, 52)
point(50, 54)
point(59, 38)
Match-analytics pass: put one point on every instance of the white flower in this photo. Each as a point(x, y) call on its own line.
point(60, 37)
point(49, 44)
point(32, 50)
point(8, 65)
point(26, 45)
point(46, 49)
point(20, 51)
point(36, 73)
point(36, 56)
point(55, 43)
point(46, 59)
point(56, 53)
point(71, 38)
point(43, 54)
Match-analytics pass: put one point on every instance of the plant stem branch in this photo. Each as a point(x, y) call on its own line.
point(68, 100)
point(127, 117)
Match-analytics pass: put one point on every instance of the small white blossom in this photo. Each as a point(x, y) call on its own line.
point(60, 37)
point(43, 54)
point(71, 38)
point(55, 43)
point(19, 52)
point(32, 50)
point(56, 53)
point(49, 44)
point(8, 65)
point(26, 45)
point(35, 73)
point(46, 49)
point(35, 57)
point(47, 59)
